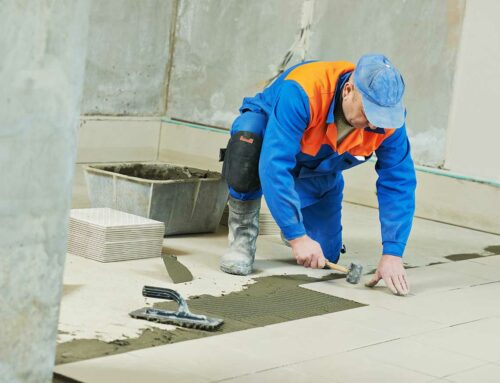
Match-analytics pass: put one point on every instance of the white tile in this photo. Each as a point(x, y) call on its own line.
point(289, 374)
point(488, 373)
point(349, 367)
point(437, 278)
point(471, 268)
point(492, 261)
point(126, 368)
point(479, 339)
point(456, 306)
point(325, 335)
point(415, 356)
point(219, 357)
point(396, 324)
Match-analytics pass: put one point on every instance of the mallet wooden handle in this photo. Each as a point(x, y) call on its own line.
point(334, 266)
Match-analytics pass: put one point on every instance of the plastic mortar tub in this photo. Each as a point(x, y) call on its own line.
point(187, 200)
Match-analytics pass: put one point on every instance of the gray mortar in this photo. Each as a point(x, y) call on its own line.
point(159, 172)
point(269, 300)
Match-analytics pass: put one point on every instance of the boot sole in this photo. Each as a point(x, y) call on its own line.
point(236, 270)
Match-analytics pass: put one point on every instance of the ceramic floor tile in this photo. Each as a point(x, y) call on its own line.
point(456, 306)
point(479, 339)
point(350, 368)
point(433, 279)
point(419, 357)
point(396, 324)
point(328, 335)
point(126, 368)
point(289, 374)
point(226, 356)
point(488, 373)
point(492, 261)
point(471, 268)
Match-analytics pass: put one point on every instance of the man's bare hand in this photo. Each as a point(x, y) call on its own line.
point(308, 252)
point(391, 270)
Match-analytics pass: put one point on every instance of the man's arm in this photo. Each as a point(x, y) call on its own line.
point(284, 131)
point(396, 196)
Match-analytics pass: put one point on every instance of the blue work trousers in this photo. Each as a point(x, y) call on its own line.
point(321, 199)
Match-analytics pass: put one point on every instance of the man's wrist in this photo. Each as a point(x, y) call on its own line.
point(297, 240)
point(393, 248)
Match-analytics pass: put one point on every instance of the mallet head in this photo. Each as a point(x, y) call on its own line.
point(354, 274)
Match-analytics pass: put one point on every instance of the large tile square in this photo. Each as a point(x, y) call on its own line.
point(289, 374)
point(426, 359)
point(444, 277)
point(351, 368)
point(455, 306)
point(488, 373)
point(394, 323)
point(480, 269)
point(126, 368)
point(478, 339)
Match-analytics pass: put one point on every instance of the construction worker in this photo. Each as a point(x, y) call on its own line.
point(293, 141)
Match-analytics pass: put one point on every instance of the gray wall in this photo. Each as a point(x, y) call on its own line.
point(43, 47)
point(224, 50)
point(128, 59)
point(421, 37)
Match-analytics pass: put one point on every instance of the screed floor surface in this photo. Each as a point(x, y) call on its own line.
point(446, 330)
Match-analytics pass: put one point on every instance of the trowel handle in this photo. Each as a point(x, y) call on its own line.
point(334, 266)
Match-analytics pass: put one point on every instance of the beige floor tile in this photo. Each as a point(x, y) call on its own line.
point(456, 306)
point(488, 373)
point(479, 339)
point(474, 269)
point(289, 374)
point(126, 368)
point(437, 278)
point(396, 324)
point(492, 261)
point(351, 368)
point(227, 356)
point(415, 356)
point(328, 335)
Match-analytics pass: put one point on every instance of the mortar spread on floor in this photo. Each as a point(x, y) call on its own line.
point(488, 251)
point(176, 270)
point(270, 300)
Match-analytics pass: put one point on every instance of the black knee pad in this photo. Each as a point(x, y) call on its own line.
point(241, 162)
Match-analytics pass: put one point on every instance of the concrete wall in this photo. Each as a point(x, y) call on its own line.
point(43, 47)
point(224, 50)
point(420, 37)
point(129, 57)
point(473, 132)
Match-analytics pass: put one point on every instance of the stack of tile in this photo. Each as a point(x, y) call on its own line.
point(267, 225)
point(108, 235)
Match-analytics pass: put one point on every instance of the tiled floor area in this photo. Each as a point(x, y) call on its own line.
point(447, 330)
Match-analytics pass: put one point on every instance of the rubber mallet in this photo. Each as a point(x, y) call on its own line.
point(353, 272)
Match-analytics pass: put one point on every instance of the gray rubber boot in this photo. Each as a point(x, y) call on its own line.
point(243, 223)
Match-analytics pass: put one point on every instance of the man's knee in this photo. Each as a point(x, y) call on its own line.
point(241, 161)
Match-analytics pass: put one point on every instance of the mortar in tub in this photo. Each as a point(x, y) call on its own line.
point(187, 200)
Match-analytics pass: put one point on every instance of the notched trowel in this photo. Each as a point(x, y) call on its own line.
point(182, 317)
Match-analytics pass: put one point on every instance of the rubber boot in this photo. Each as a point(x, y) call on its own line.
point(243, 223)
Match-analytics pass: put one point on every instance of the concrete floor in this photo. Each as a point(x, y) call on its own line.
point(447, 330)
